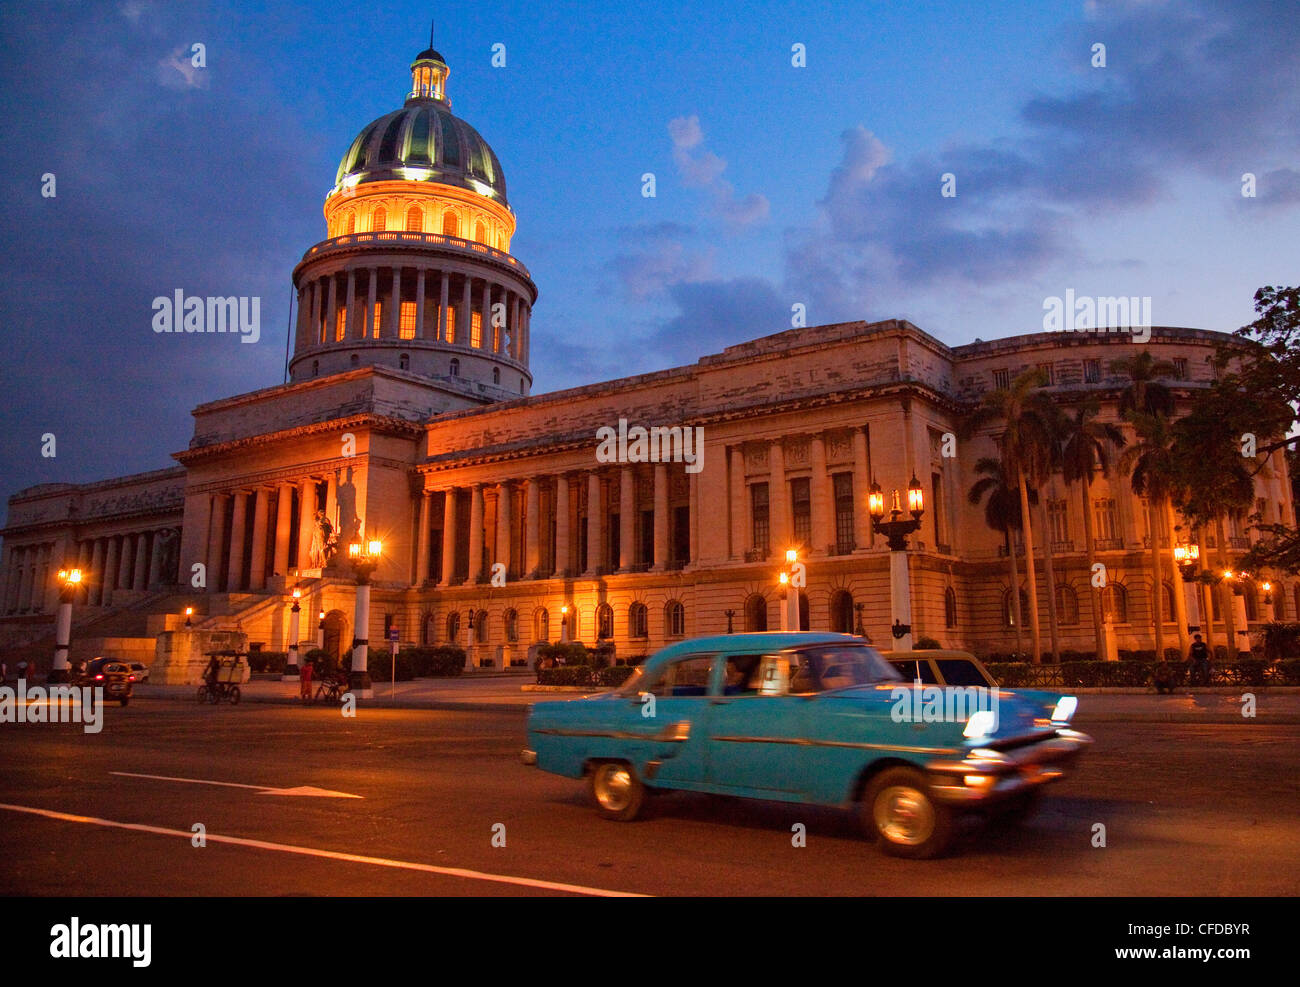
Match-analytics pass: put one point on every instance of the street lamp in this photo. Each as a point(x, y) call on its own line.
point(790, 578)
point(730, 615)
point(189, 614)
point(291, 667)
point(896, 530)
point(564, 624)
point(1237, 599)
point(364, 556)
point(69, 583)
point(320, 630)
point(1187, 556)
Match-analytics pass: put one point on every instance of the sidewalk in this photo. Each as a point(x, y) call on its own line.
point(504, 691)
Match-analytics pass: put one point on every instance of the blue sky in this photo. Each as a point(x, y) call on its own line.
point(776, 185)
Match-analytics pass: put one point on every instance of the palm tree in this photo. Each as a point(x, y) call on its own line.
point(1153, 466)
point(1001, 513)
point(1086, 451)
point(1027, 415)
point(1144, 392)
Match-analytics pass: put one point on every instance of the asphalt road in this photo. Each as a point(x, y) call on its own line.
point(1188, 809)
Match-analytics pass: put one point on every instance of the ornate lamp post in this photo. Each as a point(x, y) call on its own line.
point(320, 630)
point(789, 578)
point(896, 531)
point(364, 557)
point(730, 615)
point(1187, 556)
point(1236, 581)
point(860, 631)
point(69, 583)
point(564, 624)
point(189, 618)
point(291, 667)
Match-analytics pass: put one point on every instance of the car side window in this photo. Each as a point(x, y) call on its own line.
point(955, 671)
point(688, 676)
point(742, 676)
point(912, 669)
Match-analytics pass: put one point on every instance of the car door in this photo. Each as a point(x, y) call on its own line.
point(668, 721)
point(754, 728)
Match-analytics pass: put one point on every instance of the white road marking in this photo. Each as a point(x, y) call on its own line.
point(307, 851)
point(260, 789)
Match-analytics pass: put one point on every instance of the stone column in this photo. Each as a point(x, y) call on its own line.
point(301, 340)
point(532, 529)
point(513, 349)
point(464, 320)
point(350, 318)
point(315, 311)
point(155, 558)
point(626, 518)
point(110, 574)
point(96, 595)
point(862, 535)
point(448, 536)
point(442, 309)
point(238, 529)
point(737, 496)
point(140, 569)
point(661, 517)
point(419, 305)
point(261, 521)
point(595, 528)
point(283, 529)
point(475, 533)
point(694, 480)
point(422, 543)
point(488, 342)
point(218, 538)
point(395, 320)
point(332, 499)
point(504, 511)
point(306, 520)
point(562, 552)
point(778, 501)
point(819, 490)
point(124, 562)
point(368, 327)
point(331, 310)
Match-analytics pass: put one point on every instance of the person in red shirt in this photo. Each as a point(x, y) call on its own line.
point(304, 677)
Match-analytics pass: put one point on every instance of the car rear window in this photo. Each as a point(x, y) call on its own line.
point(956, 671)
point(914, 669)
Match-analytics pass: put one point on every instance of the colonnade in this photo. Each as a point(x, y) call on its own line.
point(132, 560)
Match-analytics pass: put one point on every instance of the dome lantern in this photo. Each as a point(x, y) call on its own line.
point(429, 74)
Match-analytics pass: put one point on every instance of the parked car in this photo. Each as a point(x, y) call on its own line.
point(115, 677)
point(140, 671)
point(807, 718)
point(959, 668)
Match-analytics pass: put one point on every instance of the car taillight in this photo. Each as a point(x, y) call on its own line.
point(130, 678)
point(99, 678)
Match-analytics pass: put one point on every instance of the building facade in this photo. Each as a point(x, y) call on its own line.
point(505, 522)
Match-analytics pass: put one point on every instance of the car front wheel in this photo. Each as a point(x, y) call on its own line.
point(617, 791)
point(898, 810)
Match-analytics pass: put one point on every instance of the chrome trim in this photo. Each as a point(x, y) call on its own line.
point(528, 756)
point(805, 742)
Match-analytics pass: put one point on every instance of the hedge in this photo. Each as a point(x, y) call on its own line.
point(585, 676)
point(1135, 674)
point(267, 661)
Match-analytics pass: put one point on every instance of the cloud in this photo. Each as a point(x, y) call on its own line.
point(700, 168)
point(178, 71)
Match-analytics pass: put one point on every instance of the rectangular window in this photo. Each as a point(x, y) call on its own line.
point(759, 515)
point(843, 485)
point(801, 507)
point(1180, 368)
point(939, 509)
point(406, 328)
point(1002, 379)
point(1106, 520)
point(476, 330)
point(341, 325)
point(451, 325)
point(1058, 516)
point(1092, 371)
point(1049, 376)
point(378, 320)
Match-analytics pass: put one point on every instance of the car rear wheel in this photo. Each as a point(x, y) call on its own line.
point(617, 791)
point(203, 693)
point(906, 821)
point(234, 695)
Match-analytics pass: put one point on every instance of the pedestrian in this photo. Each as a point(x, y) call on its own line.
point(304, 680)
point(22, 668)
point(4, 671)
point(1198, 659)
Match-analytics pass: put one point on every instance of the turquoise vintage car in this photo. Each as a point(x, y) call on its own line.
point(811, 718)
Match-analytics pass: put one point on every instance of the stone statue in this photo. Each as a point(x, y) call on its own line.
point(323, 541)
point(170, 542)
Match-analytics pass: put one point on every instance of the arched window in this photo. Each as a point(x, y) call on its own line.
point(415, 220)
point(1117, 603)
point(428, 629)
point(756, 613)
point(481, 627)
point(541, 625)
point(511, 621)
point(315, 368)
point(675, 619)
point(449, 225)
point(842, 611)
point(638, 621)
point(354, 360)
point(480, 232)
point(1067, 605)
point(604, 622)
point(351, 225)
point(404, 361)
point(1170, 612)
point(379, 221)
point(455, 367)
point(950, 607)
point(1008, 611)
point(521, 385)
point(496, 375)
point(453, 628)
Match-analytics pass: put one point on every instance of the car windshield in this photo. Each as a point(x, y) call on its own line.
point(839, 666)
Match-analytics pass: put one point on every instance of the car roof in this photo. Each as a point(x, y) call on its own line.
point(936, 653)
point(750, 642)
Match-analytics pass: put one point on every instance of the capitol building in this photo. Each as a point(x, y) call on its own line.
point(410, 418)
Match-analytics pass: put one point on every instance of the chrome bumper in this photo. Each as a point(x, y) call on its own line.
point(527, 756)
point(985, 775)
